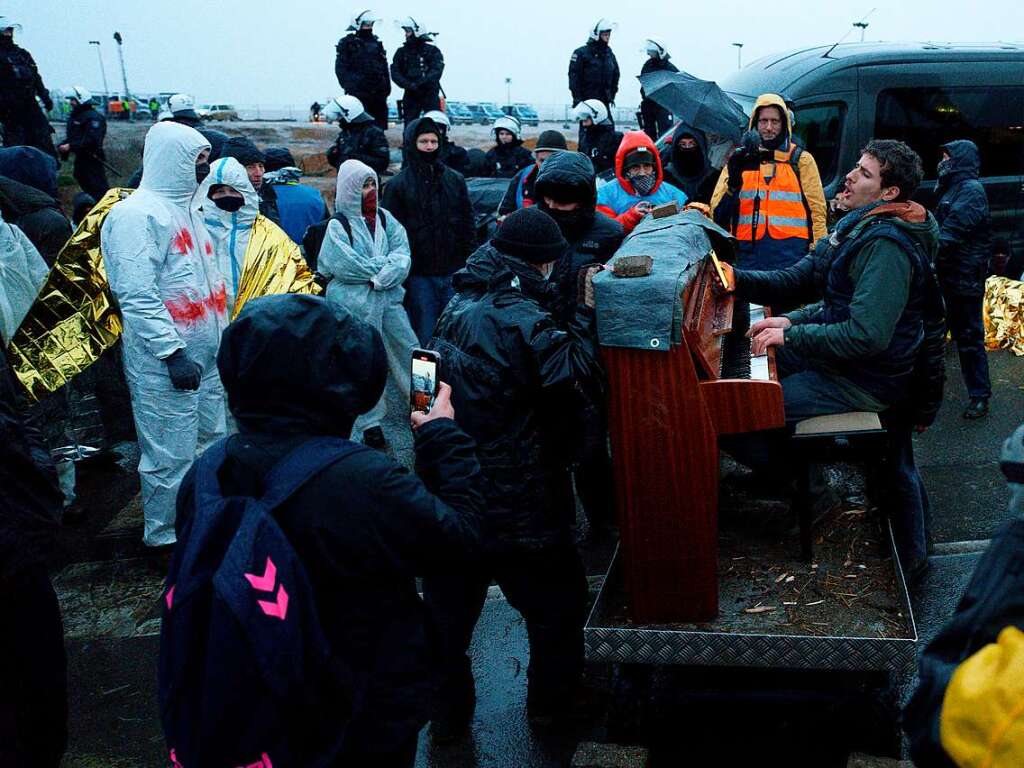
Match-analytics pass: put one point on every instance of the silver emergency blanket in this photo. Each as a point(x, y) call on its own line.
point(646, 312)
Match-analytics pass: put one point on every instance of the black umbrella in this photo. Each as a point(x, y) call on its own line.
point(699, 103)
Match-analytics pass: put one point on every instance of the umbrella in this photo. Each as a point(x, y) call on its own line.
point(700, 103)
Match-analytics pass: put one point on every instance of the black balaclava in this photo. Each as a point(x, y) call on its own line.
point(691, 161)
point(366, 34)
point(426, 125)
point(202, 171)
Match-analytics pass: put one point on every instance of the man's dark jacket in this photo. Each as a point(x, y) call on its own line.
point(86, 130)
point(651, 111)
point(361, 66)
point(361, 140)
point(432, 202)
point(20, 82)
point(962, 212)
point(36, 214)
point(600, 143)
point(506, 160)
point(593, 237)
point(246, 152)
point(593, 73)
point(364, 527)
point(808, 281)
point(698, 183)
point(417, 68)
point(455, 157)
point(519, 382)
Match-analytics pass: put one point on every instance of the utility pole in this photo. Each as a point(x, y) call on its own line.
point(124, 73)
point(103, 72)
point(739, 55)
point(508, 91)
point(863, 26)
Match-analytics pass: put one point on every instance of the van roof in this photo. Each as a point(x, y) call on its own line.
point(779, 71)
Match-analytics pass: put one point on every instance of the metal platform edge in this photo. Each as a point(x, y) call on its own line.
point(654, 646)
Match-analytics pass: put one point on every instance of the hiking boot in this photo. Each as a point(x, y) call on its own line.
point(374, 438)
point(977, 408)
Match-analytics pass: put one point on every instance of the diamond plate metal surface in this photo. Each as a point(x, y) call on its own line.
point(630, 645)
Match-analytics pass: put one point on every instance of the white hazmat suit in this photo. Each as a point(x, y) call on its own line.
point(22, 274)
point(162, 271)
point(229, 230)
point(366, 274)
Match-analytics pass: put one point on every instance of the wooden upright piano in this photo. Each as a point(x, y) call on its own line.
point(666, 412)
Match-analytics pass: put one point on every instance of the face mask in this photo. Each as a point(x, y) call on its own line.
point(567, 221)
point(202, 171)
point(427, 157)
point(944, 166)
point(691, 161)
point(643, 184)
point(229, 204)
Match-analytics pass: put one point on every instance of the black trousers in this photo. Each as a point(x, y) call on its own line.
point(963, 314)
point(91, 176)
point(548, 587)
point(377, 108)
point(657, 120)
point(414, 106)
point(33, 668)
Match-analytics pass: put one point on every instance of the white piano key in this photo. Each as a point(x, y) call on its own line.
point(759, 368)
point(756, 313)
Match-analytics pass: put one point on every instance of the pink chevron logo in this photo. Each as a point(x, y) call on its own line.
point(174, 758)
point(169, 597)
point(279, 607)
point(264, 583)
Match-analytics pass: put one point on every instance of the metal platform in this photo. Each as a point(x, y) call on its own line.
point(608, 641)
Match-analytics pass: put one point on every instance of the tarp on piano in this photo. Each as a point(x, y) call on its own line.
point(646, 312)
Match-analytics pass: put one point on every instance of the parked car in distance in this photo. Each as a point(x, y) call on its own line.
point(524, 113)
point(479, 116)
point(392, 113)
point(491, 111)
point(459, 113)
point(218, 112)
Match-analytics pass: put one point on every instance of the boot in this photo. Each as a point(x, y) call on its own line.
point(977, 408)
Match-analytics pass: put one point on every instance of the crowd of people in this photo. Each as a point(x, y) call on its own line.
point(260, 418)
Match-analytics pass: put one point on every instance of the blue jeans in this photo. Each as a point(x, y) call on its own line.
point(426, 296)
point(963, 313)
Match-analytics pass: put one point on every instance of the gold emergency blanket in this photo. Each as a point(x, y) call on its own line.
point(273, 264)
point(1004, 314)
point(75, 319)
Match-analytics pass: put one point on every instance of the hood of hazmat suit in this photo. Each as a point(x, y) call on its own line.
point(366, 271)
point(229, 230)
point(22, 273)
point(163, 274)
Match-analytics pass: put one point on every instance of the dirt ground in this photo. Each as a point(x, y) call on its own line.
point(307, 141)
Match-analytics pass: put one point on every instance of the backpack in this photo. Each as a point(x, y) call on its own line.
point(313, 239)
point(246, 677)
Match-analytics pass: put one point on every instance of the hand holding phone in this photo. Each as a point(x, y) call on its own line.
point(442, 408)
point(423, 384)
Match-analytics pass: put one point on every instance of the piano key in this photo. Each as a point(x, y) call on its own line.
point(759, 368)
point(756, 313)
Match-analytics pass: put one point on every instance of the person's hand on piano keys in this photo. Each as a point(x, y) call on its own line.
point(767, 333)
point(730, 278)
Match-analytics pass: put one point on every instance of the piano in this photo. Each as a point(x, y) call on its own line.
point(666, 411)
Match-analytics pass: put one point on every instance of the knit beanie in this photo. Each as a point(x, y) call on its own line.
point(550, 141)
point(637, 156)
point(531, 235)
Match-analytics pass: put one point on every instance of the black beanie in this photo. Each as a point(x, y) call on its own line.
point(550, 141)
point(637, 156)
point(531, 235)
point(277, 158)
point(243, 150)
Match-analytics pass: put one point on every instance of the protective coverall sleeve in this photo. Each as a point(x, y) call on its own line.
point(399, 257)
point(133, 257)
point(881, 273)
point(814, 194)
point(343, 263)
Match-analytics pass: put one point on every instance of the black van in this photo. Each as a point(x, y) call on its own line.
point(925, 94)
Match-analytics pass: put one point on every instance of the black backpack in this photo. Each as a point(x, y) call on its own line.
point(313, 239)
point(246, 676)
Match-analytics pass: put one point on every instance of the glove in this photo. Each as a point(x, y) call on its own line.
point(737, 164)
point(48, 103)
point(185, 373)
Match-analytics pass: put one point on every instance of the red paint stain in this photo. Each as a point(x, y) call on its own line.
point(186, 311)
point(183, 241)
point(209, 249)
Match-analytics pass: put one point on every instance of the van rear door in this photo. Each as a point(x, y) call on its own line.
point(928, 105)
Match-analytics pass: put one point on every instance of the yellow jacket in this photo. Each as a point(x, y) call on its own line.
point(807, 168)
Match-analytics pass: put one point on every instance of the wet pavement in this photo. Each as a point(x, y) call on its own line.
point(107, 592)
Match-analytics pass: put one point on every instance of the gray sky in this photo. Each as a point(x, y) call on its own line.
point(283, 52)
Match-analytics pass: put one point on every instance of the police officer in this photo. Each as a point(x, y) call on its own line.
point(362, 67)
point(86, 130)
point(654, 118)
point(593, 69)
point(24, 123)
point(417, 67)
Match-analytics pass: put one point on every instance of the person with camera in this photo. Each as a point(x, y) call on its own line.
point(520, 381)
point(769, 195)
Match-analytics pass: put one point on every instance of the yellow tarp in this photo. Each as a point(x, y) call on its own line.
point(1004, 314)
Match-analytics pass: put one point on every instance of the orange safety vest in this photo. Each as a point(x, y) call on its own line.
point(774, 206)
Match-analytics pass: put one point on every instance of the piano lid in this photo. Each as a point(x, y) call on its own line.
point(646, 312)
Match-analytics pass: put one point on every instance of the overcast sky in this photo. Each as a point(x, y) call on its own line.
point(283, 52)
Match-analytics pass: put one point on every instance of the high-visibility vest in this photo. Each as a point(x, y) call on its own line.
point(775, 207)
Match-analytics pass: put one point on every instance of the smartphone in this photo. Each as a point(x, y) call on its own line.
point(423, 386)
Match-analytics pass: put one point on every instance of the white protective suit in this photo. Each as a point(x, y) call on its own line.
point(366, 275)
point(162, 271)
point(229, 230)
point(22, 274)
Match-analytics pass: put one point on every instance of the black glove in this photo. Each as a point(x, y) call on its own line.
point(184, 372)
point(738, 162)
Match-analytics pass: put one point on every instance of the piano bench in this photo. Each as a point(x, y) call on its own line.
point(855, 437)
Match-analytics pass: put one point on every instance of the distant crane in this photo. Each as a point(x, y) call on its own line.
point(103, 72)
point(120, 53)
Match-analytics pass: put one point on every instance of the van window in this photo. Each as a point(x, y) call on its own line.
point(818, 130)
point(927, 118)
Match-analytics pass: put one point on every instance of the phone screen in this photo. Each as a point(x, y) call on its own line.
point(423, 387)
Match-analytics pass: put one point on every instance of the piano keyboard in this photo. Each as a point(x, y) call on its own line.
point(737, 362)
